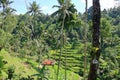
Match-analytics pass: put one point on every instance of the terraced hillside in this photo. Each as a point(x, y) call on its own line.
point(73, 55)
point(23, 69)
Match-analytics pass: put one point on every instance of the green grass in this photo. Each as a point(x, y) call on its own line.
point(70, 75)
point(20, 67)
point(73, 54)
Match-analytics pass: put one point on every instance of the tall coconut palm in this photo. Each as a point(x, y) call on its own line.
point(85, 41)
point(65, 8)
point(34, 11)
point(64, 13)
point(95, 54)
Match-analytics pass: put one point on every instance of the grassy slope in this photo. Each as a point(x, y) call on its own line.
point(20, 67)
point(24, 70)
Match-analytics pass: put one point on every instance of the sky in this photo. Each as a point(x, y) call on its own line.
point(46, 5)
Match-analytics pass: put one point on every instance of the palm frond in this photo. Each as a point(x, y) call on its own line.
point(55, 13)
point(67, 13)
point(11, 2)
point(61, 2)
point(56, 6)
point(34, 8)
point(72, 8)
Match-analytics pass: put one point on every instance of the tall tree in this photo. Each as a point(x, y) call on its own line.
point(65, 15)
point(85, 41)
point(95, 53)
point(61, 12)
point(7, 19)
point(64, 8)
point(34, 11)
point(5, 5)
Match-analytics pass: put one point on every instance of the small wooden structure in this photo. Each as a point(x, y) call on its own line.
point(48, 62)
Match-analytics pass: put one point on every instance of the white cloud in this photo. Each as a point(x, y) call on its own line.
point(44, 8)
point(105, 4)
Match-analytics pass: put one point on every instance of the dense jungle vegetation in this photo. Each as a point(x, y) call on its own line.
point(65, 38)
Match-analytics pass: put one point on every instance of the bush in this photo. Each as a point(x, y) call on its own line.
point(10, 72)
point(1, 64)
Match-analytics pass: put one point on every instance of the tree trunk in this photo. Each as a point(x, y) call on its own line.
point(85, 41)
point(95, 41)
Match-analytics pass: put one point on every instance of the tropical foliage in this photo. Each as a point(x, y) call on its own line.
point(26, 40)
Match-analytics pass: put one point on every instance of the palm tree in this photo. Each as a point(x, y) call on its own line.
point(65, 9)
point(5, 3)
point(34, 11)
point(6, 9)
point(85, 40)
point(64, 13)
point(95, 54)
